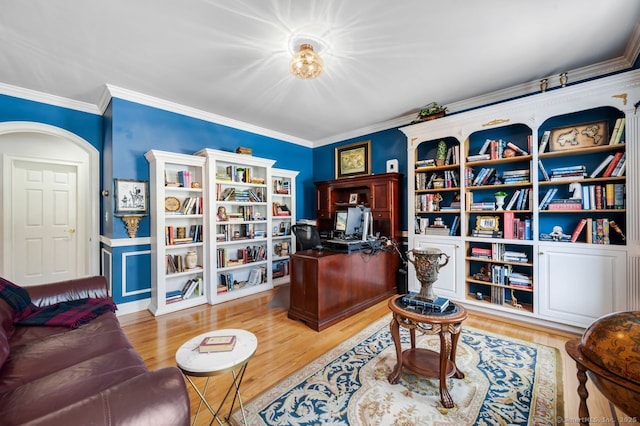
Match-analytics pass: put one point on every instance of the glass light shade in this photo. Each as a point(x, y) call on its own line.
point(306, 63)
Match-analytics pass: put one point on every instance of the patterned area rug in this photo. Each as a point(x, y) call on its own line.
point(507, 382)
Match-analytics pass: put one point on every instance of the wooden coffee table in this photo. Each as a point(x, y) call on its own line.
point(425, 362)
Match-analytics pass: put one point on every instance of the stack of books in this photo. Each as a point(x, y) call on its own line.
point(439, 304)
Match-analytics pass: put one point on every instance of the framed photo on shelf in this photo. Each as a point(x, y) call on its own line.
point(353, 159)
point(353, 198)
point(132, 196)
point(585, 135)
point(488, 223)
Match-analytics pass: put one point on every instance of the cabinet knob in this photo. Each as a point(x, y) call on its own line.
point(541, 253)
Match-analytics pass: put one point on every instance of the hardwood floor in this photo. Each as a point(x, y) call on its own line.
point(285, 345)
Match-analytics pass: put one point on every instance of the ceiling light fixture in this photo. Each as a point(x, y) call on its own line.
point(306, 63)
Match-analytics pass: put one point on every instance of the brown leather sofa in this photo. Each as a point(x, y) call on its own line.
point(90, 375)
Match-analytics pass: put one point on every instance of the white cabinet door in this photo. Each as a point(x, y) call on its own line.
point(580, 285)
point(449, 280)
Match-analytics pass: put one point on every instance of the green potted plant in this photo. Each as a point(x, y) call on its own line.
point(441, 153)
point(500, 196)
point(431, 112)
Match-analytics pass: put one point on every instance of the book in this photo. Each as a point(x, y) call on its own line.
point(439, 304)
point(454, 226)
point(478, 157)
point(484, 148)
point(545, 175)
point(601, 166)
point(620, 164)
point(617, 136)
point(217, 344)
point(578, 230)
point(547, 198)
point(612, 164)
point(544, 140)
point(513, 199)
point(517, 149)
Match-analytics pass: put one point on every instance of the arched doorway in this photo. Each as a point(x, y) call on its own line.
point(49, 212)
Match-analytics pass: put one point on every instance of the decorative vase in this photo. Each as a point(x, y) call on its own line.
point(426, 260)
point(191, 259)
point(499, 202)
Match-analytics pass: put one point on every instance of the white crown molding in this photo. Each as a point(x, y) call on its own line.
point(165, 105)
point(45, 98)
point(578, 75)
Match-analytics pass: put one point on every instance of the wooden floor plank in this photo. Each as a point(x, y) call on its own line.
point(285, 345)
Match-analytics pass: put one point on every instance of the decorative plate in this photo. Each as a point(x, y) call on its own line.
point(171, 204)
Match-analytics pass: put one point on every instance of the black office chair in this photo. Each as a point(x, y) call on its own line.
point(307, 237)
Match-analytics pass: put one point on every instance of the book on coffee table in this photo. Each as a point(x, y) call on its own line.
point(217, 344)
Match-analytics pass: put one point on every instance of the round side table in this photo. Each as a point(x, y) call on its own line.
point(196, 364)
point(424, 362)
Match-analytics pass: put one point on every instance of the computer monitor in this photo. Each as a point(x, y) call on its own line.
point(354, 222)
point(367, 223)
point(340, 223)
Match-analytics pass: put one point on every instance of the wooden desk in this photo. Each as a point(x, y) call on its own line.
point(327, 286)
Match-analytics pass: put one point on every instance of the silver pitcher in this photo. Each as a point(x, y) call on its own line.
point(426, 260)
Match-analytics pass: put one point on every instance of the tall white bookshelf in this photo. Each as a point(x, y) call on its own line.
point(239, 225)
point(283, 211)
point(178, 228)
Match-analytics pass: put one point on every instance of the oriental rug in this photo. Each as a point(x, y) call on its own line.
point(507, 382)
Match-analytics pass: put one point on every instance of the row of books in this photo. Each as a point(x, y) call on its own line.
point(237, 173)
point(597, 231)
point(481, 233)
point(235, 194)
point(175, 263)
point(281, 186)
point(498, 252)
point(516, 228)
point(587, 197)
point(617, 135)
point(505, 275)
point(243, 231)
point(191, 205)
point(244, 255)
point(413, 301)
point(493, 149)
point(177, 235)
point(452, 156)
point(280, 269)
point(190, 288)
point(613, 165)
point(426, 180)
point(520, 200)
point(182, 178)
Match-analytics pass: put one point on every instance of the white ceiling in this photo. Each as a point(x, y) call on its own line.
point(227, 60)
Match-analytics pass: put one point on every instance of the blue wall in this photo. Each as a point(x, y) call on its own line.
point(135, 129)
point(385, 145)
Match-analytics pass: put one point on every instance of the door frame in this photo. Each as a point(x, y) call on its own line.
point(88, 201)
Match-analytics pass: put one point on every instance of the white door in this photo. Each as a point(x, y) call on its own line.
point(49, 204)
point(44, 221)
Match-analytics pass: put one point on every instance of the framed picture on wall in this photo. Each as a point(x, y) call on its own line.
point(353, 159)
point(132, 196)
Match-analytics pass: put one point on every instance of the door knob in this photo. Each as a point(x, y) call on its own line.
point(71, 230)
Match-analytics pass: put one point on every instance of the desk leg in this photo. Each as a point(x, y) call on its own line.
point(394, 376)
point(445, 397)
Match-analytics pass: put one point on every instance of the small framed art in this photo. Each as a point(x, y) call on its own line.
point(585, 135)
point(132, 196)
point(353, 198)
point(353, 159)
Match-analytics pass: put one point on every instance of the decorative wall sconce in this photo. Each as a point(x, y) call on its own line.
point(131, 222)
point(563, 79)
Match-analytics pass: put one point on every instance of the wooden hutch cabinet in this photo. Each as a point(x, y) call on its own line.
point(379, 192)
